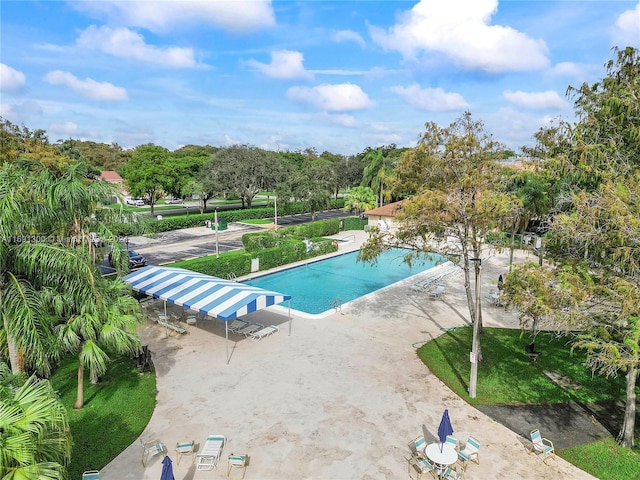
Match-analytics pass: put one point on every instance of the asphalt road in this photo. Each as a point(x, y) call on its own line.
point(177, 245)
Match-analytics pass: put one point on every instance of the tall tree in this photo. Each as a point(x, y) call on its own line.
point(244, 170)
point(451, 176)
point(604, 229)
point(46, 244)
point(146, 172)
point(106, 323)
point(379, 166)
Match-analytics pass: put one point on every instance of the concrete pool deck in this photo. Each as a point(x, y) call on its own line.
point(339, 398)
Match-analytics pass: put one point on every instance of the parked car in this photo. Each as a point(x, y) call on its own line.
point(138, 202)
point(172, 201)
point(135, 259)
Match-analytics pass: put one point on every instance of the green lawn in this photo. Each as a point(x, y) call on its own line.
point(507, 376)
point(115, 413)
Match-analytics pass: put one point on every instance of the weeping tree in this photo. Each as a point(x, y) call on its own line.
point(599, 243)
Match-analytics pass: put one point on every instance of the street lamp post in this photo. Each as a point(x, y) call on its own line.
point(215, 223)
point(275, 207)
point(475, 343)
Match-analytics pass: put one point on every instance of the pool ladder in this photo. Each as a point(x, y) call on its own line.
point(336, 303)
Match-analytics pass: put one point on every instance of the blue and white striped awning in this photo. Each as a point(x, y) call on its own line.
point(209, 295)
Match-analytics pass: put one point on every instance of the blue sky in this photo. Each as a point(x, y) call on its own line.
point(335, 76)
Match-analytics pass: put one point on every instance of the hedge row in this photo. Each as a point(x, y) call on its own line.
point(179, 221)
point(238, 263)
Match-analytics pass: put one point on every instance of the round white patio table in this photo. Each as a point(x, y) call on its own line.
point(442, 455)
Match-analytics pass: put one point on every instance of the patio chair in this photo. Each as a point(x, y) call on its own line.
point(264, 332)
point(185, 448)
point(439, 291)
point(237, 461)
point(451, 474)
point(417, 446)
point(249, 329)
point(421, 466)
point(452, 441)
point(237, 325)
point(91, 475)
point(470, 452)
point(151, 449)
point(209, 456)
point(542, 446)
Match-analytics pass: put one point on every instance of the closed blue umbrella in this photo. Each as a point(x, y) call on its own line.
point(167, 469)
point(445, 428)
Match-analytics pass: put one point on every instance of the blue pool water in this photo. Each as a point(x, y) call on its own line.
point(314, 286)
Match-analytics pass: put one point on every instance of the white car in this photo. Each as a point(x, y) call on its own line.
point(138, 202)
point(173, 201)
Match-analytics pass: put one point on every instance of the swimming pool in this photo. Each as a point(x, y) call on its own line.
point(314, 287)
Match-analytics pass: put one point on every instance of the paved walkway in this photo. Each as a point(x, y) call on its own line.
point(339, 398)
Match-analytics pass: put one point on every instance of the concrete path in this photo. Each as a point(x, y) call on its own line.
point(339, 398)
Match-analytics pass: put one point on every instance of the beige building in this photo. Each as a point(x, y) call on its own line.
point(383, 217)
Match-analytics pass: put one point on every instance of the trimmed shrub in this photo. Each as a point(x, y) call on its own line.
point(354, 223)
point(257, 241)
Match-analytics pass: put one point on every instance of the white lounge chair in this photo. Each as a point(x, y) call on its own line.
point(264, 332)
point(209, 455)
point(237, 324)
point(439, 291)
point(249, 329)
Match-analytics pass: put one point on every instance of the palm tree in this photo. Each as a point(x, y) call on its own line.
point(379, 167)
point(359, 199)
point(34, 429)
point(47, 217)
point(104, 322)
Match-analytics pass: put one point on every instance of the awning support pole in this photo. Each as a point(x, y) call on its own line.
point(289, 317)
point(226, 336)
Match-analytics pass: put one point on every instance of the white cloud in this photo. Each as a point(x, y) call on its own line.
point(64, 129)
point(349, 36)
point(87, 87)
point(569, 69)
point(162, 16)
point(627, 29)
point(334, 98)
point(460, 29)
point(535, 100)
point(431, 99)
point(125, 43)
point(11, 80)
point(340, 119)
point(284, 64)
